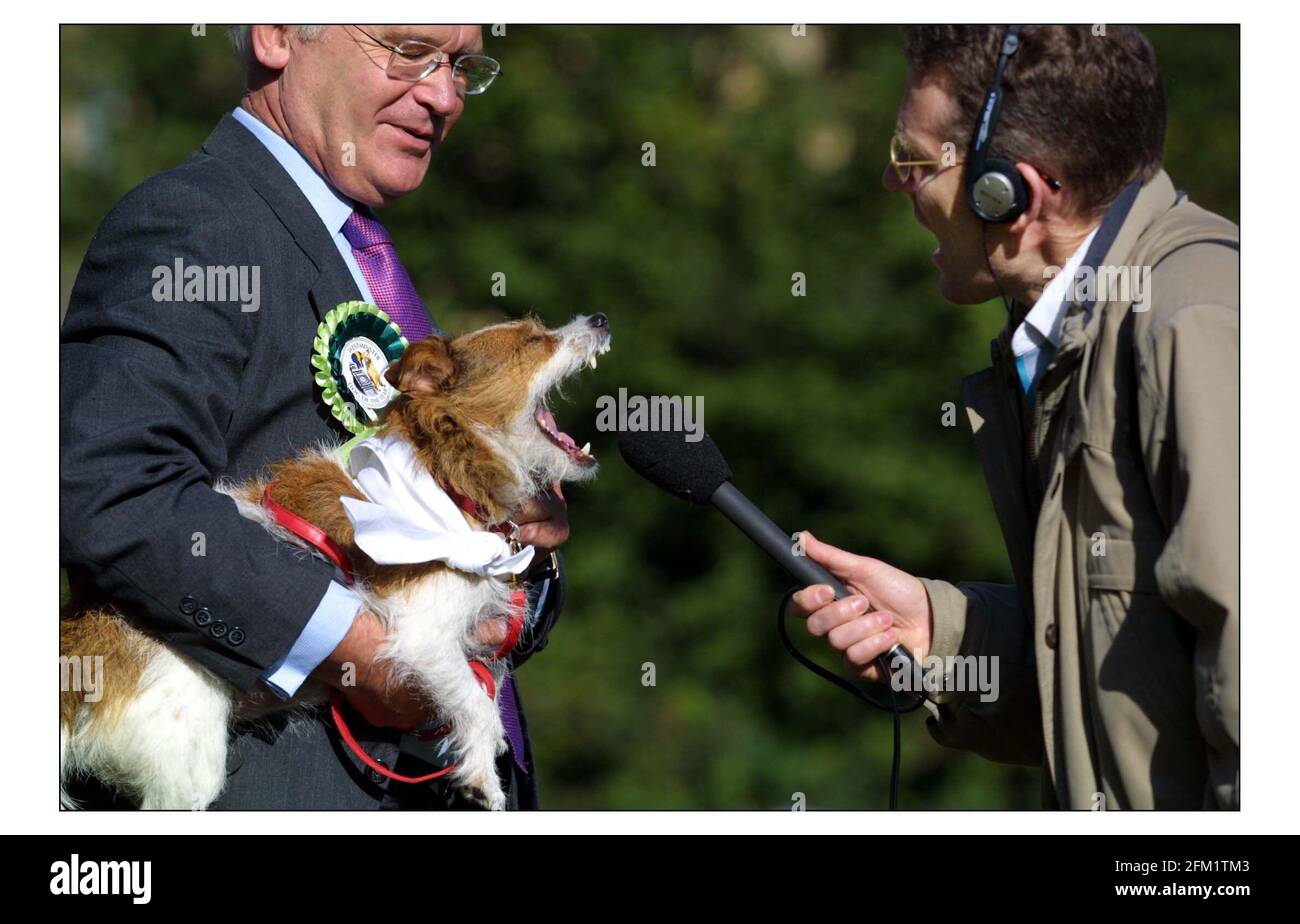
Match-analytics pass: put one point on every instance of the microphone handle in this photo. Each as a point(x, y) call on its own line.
point(776, 542)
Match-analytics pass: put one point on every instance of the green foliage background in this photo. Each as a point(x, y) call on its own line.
point(769, 153)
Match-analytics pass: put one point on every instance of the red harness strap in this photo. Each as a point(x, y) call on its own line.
point(308, 532)
point(472, 507)
point(313, 534)
point(514, 623)
point(336, 701)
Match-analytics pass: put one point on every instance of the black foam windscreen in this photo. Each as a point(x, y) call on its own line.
point(691, 471)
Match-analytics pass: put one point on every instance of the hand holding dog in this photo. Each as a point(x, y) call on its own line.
point(544, 521)
point(886, 605)
point(372, 692)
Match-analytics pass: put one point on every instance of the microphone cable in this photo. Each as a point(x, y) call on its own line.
point(988, 259)
point(896, 765)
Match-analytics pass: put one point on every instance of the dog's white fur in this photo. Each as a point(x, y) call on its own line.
point(169, 747)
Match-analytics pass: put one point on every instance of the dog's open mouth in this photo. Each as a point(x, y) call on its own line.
point(546, 422)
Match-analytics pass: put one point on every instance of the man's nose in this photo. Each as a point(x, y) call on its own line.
point(438, 92)
point(889, 179)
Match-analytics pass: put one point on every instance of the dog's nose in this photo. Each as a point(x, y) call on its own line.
point(598, 320)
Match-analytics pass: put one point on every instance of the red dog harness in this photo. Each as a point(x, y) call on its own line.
point(318, 538)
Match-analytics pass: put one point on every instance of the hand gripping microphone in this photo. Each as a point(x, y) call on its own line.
point(698, 473)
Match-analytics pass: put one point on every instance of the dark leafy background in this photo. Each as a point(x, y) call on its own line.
point(769, 151)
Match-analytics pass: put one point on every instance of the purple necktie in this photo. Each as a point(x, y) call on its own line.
point(509, 707)
point(395, 293)
point(392, 289)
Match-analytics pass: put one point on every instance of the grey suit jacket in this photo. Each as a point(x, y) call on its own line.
point(159, 398)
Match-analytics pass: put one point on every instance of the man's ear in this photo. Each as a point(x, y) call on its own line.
point(270, 46)
point(426, 368)
point(1038, 191)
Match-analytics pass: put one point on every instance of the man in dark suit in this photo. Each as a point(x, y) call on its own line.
point(184, 360)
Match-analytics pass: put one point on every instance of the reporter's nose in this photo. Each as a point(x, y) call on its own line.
point(889, 179)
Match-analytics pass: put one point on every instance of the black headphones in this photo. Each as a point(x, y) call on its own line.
point(995, 190)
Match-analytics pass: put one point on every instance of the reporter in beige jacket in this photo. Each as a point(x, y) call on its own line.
point(1107, 429)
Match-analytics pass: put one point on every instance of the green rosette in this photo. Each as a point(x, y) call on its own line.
point(354, 345)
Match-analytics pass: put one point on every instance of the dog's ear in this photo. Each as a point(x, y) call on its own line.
point(426, 368)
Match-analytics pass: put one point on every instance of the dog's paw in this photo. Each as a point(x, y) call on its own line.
point(476, 776)
point(484, 788)
point(494, 800)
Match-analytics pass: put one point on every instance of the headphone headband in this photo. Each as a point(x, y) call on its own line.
point(995, 190)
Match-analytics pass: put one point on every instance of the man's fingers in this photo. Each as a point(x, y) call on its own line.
point(838, 562)
point(532, 511)
point(544, 536)
point(807, 601)
point(846, 635)
point(397, 710)
point(492, 631)
point(541, 508)
point(543, 522)
point(836, 614)
point(864, 652)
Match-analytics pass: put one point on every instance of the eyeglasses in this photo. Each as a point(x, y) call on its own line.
point(412, 61)
point(906, 169)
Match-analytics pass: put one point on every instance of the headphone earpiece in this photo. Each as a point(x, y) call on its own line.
point(998, 194)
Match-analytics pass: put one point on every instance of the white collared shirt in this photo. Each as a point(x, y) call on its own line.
point(1039, 334)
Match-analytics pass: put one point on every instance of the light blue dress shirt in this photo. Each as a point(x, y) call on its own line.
point(339, 607)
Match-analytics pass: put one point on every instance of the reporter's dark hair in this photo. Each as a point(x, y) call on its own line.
point(1089, 109)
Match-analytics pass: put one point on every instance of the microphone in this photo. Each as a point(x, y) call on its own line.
point(698, 473)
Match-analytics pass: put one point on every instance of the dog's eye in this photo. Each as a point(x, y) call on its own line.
point(536, 339)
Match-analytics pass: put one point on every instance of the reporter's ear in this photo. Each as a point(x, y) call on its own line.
point(1042, 198)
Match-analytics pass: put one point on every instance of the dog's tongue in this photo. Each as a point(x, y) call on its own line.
point(547, 421)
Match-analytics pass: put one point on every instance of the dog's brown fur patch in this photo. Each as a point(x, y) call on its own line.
point(89, 632)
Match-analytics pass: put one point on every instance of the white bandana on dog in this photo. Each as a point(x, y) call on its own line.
point(409, 518)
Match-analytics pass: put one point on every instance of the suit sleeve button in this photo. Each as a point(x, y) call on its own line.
point(218, 629)
point(1050, 635)
point(189, 605)
point(202, 616)
point(236, 636)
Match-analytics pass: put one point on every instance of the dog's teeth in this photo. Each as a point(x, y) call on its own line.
point(591, 361)
point(586, 449)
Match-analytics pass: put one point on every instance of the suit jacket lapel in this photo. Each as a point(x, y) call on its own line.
point(232, 142)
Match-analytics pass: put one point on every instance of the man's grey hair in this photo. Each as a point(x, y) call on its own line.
point(241, 38)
